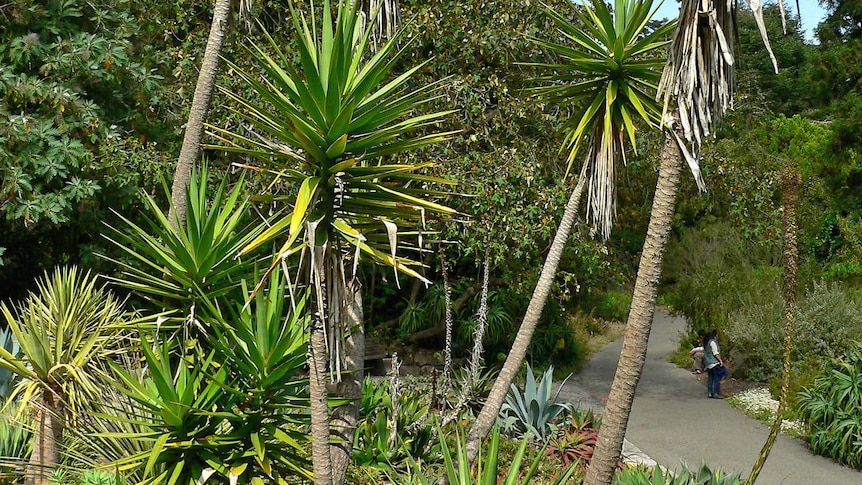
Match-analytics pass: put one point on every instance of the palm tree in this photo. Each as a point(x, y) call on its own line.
point(198, 112)
point(697, 87)
point(384, 25)
point(67, 332)
point(608, 64)
point(333, 127)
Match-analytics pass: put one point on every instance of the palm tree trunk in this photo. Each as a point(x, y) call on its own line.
point(790, 195)
point(619, 405)
point(198, 113)
point(345, 418)
point(46, 445)
point(320, 457)
point(515, 359)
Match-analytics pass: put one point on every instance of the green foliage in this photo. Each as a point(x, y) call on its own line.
point(831, 408)
point(67, 74)
point(67, 332)
point(237, 411)
point(535, 410)
point(609, 305)
point(458, 470)
point(390, 435)
point(701, 476)
point(327, 126)
point(718, 260)
point(198, 266)
point(790, 90)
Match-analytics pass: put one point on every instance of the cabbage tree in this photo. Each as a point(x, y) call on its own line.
point(697, 87)
point(608, 64)
point(332, 131)
point(67, 332)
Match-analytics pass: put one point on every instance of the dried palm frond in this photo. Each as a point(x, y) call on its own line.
point(698, 80)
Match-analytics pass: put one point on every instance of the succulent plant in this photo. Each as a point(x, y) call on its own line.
point(535, 409)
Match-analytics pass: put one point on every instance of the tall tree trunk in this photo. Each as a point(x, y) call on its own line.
point(46, 445)
point(198, 113)
point(320, 458)
point(790, 196)
point(515, 359)
point(345, 418)
point(619, 405)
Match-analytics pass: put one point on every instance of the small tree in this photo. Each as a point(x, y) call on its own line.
point(67, 331)
point(333, 127)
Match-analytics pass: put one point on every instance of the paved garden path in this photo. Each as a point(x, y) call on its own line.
point(673, 421)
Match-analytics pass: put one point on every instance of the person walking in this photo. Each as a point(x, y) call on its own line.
point(713, 364)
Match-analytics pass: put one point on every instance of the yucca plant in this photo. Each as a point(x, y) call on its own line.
point(330, 130)
point(67, 331)
point(263, 348)
point(177, 399)
point(607, 66)
point(195, 266)
point(534, 410)
point(238, 412)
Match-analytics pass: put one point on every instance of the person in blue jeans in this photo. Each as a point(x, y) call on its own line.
point(713, 364)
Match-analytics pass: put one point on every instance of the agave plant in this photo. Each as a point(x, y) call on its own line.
point(534, 410)
point(702, 475)
point(7, 377)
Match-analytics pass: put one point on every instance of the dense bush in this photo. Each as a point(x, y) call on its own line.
point(832, 409)
point(827, 319)
point(716, 271)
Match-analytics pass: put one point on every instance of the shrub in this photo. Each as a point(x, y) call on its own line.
point(716, 271)
point(393, 432)
point(832, 409)
point(610, 305)
point(576, 444)
point(826, 320)
point(535, 409)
